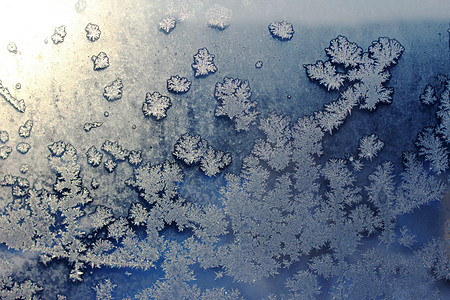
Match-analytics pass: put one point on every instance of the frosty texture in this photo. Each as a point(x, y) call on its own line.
point(219, 16)
point(113, 91)
point(92, 32)
point(233, 96)
point(156, 105)
point(203, 63)
point(178, 85)
point(101, 61)
point(281, 30)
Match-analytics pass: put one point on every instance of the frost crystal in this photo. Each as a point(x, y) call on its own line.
point(101, 61)
point(80, 6)
point(23, 147)
point(25, 129)
point(326, 74)
point(432, 147)
point(167, 24)
point(366, 72)
point(104, 289)
point(59, 34)
point(88, 126)
point(94, 183)
point(194, 149)
point(443, 114)
point(429, 95)
point(19, 105)
point(369, 146)
point(24, 168)
point(203, 63)
point(113, 91)
point(5, 151)
point(156, 105)
point(178, 85)
point(94, 157)
point(4, 136)
point(219, 17)
point(281, 30)
point(115, 150)
point(110, 165)
point(234, 102)
point(12, 48)
point(92, 32)
point(135, 157)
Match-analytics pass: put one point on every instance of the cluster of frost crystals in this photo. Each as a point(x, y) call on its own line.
point(5, 151)
point(113, 91)
point(156, 105)
point(115, 150)
point(369, 146)
point(19, 105)
point(443, 113)
point(432, 147)
point(234, 102)
point(203, 63)
point(194, 149)
point(92, 32)
point(90, 125)
point(219, 16)
point(94, 157)
point(59, 34)
point(178, 85)
point(101, 61)
point(167, 24)
point(429, 95)
point(365, 72)
point(25, 129)
point(23, 147)
point(283, 31)
point(4, 136)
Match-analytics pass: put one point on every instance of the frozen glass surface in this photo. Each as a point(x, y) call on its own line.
point(242, 149)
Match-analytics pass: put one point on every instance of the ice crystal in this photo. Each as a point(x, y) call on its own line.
point(219, 16)
point(94, 157)
point(178, 85)
point(432, 147)
point(5, 151)
point(24, 168)
point(167, 24)
point(369, 146)
point(429, 95)
point(281, 30)
point(94, 183)
point(113, 91)
point(101, 61)
point(19, 105)
point(110, 165)
point(326, 74)
point(203, 63)
point(23, 147)
point(135, 157)
point(12, 48)
point(88, 126)
point(156, 105)
point(194, 149)
point(92, 32)
point(259, 64)
point(25, 129)
point(234, 102)
point(80, 6)
point(104, 289)
point(4, 136)
point(366, 72)
point(443, 114)
point(115, 150)
point(59, 34)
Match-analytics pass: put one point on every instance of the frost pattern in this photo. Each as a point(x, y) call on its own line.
point(194, 149)
point(101, 61)
point(281, 30)
point(113, 91)
point(432, 147)
point(19, 105)
point(59, 34)
point(156, 105)
point(234, 102)
point(178, 85)
point(92, 32)
point(369, 146)
point(367, 73)
point(219, 16)
point(203, 63)
point(167, 24)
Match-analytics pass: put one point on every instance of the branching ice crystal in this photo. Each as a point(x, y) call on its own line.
point(156, 105)
point(23, 147)
point(234, 102)
point(281, 30)
point(101, 61)
point(92, 32)
point(432, 147)
point(113, 91)
point(4, 136)
point(19, 105)
point(369, 146)
point(167, 24)
point(5, 151)
point(59, 34)
point(178, 85)
point(219, 16)
point(203, 63)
